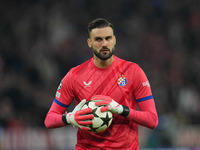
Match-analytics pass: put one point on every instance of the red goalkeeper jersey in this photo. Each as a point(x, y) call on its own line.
point(123, 81)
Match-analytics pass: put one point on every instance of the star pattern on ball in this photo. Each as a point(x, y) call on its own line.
point(101, 120)
point(94, 112)
point(106, 120)
point(92, 128)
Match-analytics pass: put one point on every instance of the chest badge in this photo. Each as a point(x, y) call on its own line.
point(122, 81)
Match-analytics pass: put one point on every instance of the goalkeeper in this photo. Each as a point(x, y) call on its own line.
point(120, 86)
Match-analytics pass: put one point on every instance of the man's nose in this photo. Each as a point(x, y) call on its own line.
point(104, 42)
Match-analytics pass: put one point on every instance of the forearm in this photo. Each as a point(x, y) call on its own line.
point(54, 120)
point(54, 117)
point(143, 118)
point(147, 116)
point(57, 116)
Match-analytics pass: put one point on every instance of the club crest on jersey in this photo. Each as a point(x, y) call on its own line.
point(122, 81)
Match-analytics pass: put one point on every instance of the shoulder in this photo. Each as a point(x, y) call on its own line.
point(75, 71)
point(127, 64)
point(80, 68)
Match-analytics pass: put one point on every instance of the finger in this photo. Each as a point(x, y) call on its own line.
point(85, 128)
point(106, 108)
point(84, 111)
point(97, 97)
point(101, 97)
point(85, 122)
point(102, 103)
point(82, 103)
point(85, 117)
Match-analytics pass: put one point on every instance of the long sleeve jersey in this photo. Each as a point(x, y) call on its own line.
point(123, 81)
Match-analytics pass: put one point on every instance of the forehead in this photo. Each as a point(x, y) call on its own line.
point(101, 32)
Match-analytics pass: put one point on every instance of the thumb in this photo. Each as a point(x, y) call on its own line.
point(82, 103)
point(79, 106)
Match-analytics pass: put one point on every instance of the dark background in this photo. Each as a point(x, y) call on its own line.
point(41, 40)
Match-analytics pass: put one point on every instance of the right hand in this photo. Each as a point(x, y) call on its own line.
point(80, 118)
point(109, 103)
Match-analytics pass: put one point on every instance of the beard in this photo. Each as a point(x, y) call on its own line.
point(101, 55)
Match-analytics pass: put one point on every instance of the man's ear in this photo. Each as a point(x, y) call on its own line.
point(89, 42)
point(115, 39)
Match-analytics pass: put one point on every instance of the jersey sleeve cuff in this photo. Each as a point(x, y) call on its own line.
point(64, 119)
point(125, 112)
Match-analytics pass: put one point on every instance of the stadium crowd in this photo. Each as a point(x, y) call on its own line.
point(41, 40)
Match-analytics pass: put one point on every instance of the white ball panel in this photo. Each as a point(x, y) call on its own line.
point(99, 113)
point(92, 105)
point(97, 122)
point(84, 107)
point(100, 129)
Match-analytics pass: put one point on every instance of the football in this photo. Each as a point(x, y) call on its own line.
point(101, 120)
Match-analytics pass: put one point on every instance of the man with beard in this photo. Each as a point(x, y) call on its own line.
point(119, 84)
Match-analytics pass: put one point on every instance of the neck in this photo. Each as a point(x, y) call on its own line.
point(103, 63)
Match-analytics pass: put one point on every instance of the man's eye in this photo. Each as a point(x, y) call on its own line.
point(98, 39)
point(108, 38)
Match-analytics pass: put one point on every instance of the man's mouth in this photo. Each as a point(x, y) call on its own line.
point(105, 50)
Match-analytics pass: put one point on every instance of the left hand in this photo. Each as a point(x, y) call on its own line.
point(109, 103)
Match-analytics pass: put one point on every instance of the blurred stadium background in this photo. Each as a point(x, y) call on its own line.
point(41, 40)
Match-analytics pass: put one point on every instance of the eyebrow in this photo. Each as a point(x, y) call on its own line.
point(97, 37)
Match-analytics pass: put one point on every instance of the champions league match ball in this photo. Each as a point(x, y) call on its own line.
point(101, 120)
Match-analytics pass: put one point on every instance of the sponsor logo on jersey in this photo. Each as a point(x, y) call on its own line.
point(146, 83)
point(122, 81)
point(87, 84)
